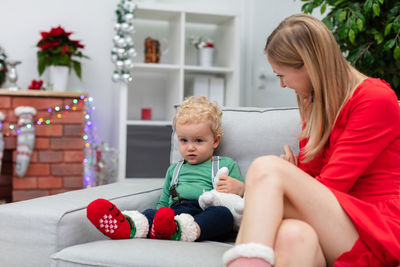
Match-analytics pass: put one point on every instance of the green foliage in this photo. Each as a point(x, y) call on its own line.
point(3, 66)
point(368, 33)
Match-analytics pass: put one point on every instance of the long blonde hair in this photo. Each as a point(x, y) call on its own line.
point(303, 40)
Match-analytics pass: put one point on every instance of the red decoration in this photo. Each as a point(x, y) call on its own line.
point(36, 85)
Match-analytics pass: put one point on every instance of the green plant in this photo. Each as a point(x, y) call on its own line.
point(3, 66)
point(57, 49)
point(368, 33)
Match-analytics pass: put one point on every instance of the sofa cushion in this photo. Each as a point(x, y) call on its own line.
point(253, 132)
point(142, 252)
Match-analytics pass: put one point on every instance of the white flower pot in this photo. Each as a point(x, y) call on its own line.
point(58, 77)
point(206, 56)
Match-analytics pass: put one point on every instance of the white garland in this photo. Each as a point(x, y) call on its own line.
point(123, 52)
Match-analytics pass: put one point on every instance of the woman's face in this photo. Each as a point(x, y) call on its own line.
point(293, 78)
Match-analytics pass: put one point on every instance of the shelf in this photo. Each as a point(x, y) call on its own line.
point(43, 93)
point(202, 18)
point(149, 122)
point(161, 86)
point(200, 69)
point(155, 67)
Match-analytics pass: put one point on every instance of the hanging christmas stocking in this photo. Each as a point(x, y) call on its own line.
point(26, 138)
point(1, 138)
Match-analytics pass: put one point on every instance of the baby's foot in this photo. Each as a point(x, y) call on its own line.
point(164, 225)
point(109, 219)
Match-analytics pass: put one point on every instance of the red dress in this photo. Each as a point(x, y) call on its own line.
point(361, 165)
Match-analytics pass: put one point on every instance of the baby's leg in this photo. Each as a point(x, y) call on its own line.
point(214, 222)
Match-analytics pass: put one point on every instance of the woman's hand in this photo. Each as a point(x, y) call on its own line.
point(289, 155)
point(227, 184)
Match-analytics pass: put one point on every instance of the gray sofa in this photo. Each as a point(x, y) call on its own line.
point(54, 231)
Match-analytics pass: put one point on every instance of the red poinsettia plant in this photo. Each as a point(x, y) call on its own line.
point(57, 49)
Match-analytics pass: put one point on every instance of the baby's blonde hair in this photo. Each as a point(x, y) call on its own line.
point(196, 109)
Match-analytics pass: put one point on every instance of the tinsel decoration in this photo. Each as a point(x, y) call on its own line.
point(106, 164)
point(101, 161)
point(123, 52)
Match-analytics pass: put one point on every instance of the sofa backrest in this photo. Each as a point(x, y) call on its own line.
point(253, 132)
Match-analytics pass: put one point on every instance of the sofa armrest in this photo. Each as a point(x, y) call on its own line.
point(33, 230)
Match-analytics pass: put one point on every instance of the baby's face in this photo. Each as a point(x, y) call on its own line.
point(196, 141)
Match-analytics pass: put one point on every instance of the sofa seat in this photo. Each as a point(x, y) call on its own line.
point(142, 253)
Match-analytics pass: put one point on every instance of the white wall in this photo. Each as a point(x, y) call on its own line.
point(92, 22)
point(262, 87)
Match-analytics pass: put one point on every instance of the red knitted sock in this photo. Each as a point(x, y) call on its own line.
point(164, 225)
point(108, 219)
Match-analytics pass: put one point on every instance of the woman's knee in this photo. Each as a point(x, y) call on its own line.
point(294, 235)
point(297, 240)
point(295, 232)
point(264, 168)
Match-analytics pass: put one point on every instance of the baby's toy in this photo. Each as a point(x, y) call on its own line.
point(232, 201)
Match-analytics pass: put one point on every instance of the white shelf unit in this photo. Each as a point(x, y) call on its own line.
point(161, 86)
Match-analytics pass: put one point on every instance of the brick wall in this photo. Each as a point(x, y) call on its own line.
point(56, 163)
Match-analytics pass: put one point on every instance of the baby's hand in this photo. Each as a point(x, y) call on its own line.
point(227, 184)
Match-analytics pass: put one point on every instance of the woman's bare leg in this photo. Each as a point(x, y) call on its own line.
point(297, 244)
point(275, 190)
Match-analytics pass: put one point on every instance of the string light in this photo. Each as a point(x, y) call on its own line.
point(91, 142)
point(50, 110)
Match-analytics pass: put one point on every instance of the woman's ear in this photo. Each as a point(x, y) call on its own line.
point(217, 139)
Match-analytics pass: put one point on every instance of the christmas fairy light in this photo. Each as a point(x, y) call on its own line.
point(90, 142)
point(58, 109)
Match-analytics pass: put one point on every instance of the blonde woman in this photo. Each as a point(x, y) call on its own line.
point(338, 202)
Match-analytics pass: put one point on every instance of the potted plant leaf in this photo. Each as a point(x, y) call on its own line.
point(368, 33)
point(61, 54)
point(3, 66)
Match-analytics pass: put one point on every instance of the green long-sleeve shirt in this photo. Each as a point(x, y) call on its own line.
point(193, 180)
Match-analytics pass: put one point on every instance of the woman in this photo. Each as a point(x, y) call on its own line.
point(338, 203)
